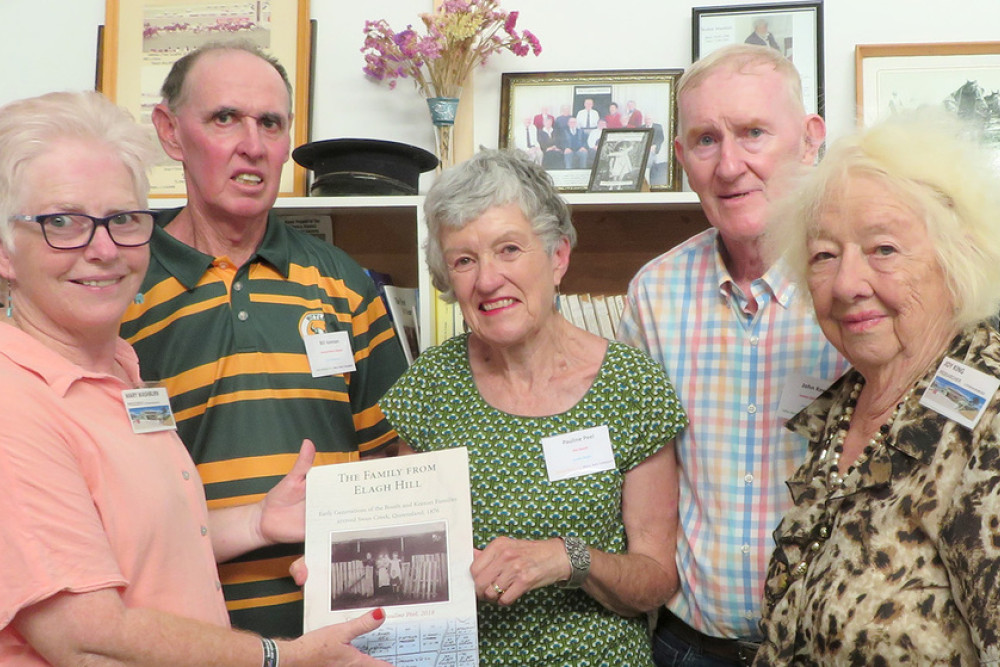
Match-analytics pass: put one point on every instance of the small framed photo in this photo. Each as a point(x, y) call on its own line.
point(558, 119)
point(793, 28)
point(620, 163)
point(961, 77)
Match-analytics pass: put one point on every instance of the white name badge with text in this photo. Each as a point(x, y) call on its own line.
point(329, 353)
point(149, 410)
point(578, 453)
point(959, 392)
point(800, 391)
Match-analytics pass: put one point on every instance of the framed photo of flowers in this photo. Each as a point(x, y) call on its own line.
point(141, 39)
point(793, 28)
point(557, 118)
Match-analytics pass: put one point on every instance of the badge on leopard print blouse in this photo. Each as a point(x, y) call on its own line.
point(959, 392)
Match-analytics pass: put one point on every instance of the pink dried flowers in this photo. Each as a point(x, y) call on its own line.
point(461, 35)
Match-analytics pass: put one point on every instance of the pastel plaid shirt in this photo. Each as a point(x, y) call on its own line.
point(729, 370)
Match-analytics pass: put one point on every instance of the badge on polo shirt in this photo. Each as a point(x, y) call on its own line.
point(578, 453)
point(329, 352)
point(148, 409)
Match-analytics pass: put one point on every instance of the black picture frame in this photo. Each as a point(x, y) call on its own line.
point(620, 163)
point(793, 28)
point(525, 95)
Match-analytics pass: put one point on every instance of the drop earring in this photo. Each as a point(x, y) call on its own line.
point(10, 302)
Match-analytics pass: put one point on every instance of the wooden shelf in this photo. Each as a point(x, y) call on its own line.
point(617, 234)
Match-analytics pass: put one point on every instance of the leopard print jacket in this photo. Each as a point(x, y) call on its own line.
point(901, 565)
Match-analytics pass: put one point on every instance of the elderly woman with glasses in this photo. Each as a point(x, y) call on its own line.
point(108, 551)
point(569, 435)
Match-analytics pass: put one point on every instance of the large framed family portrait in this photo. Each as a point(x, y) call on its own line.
point(558, 118)
point(141, 39)
point(795, 29)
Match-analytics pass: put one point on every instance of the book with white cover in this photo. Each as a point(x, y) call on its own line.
point(618, 301)
point(402, 302)
point(603, 317)
point(589, 316)
point(395, 533)
point(570, 306)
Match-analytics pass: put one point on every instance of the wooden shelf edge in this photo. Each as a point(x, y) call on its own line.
point(577, 200)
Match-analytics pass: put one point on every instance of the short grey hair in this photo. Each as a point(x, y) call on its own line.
point(492, 178)
point(31, 127)
point(173, 91)
point(932, 163)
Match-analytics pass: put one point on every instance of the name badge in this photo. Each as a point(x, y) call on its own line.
point(578, 453)
point(959, 392)
point(329, 353)
point(800, 391)
point(149, 409)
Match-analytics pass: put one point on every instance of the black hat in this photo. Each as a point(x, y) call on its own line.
point(364, 166)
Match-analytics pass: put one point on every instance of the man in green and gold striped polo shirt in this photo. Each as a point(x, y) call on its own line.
point(239, 313)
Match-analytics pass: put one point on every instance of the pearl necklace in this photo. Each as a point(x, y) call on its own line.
point(835, 443)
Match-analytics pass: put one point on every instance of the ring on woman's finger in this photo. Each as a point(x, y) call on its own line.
point(500, 591)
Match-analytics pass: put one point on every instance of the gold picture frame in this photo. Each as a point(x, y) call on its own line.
point(962, 76)
point(142, 38)
point(525, 95)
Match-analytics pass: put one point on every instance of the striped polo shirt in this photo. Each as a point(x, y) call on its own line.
point(227, 342)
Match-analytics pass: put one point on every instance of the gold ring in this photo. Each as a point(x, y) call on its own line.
point(499, 590)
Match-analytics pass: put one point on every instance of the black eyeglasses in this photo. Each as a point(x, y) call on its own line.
point(69, 231)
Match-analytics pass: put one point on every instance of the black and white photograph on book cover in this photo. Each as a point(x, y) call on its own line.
point(391, 566)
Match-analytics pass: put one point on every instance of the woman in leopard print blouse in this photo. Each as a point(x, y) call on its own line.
point(891, 553)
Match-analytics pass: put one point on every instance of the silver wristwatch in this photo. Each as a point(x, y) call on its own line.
point(579, 559)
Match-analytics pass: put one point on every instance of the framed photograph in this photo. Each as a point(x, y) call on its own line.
point(793, 28)
point(558, 119)
point(962, 77)
point(143, 38)
point(620, 163)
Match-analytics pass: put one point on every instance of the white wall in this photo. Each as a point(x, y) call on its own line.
point(51, 45)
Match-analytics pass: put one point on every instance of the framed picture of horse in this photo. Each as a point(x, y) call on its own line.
point(961, 77)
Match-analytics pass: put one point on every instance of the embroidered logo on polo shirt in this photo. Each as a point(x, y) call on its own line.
point(312, 323)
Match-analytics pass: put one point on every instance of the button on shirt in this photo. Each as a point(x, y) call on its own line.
point(729, 369)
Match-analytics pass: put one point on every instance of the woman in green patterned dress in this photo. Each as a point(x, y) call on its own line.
point(569, 435)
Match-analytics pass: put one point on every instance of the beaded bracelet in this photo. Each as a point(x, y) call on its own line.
point(270, 652)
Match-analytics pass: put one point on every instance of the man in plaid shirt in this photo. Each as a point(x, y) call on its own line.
point(740, 343)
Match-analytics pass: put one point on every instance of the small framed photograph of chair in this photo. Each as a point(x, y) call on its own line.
point(620, 162)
